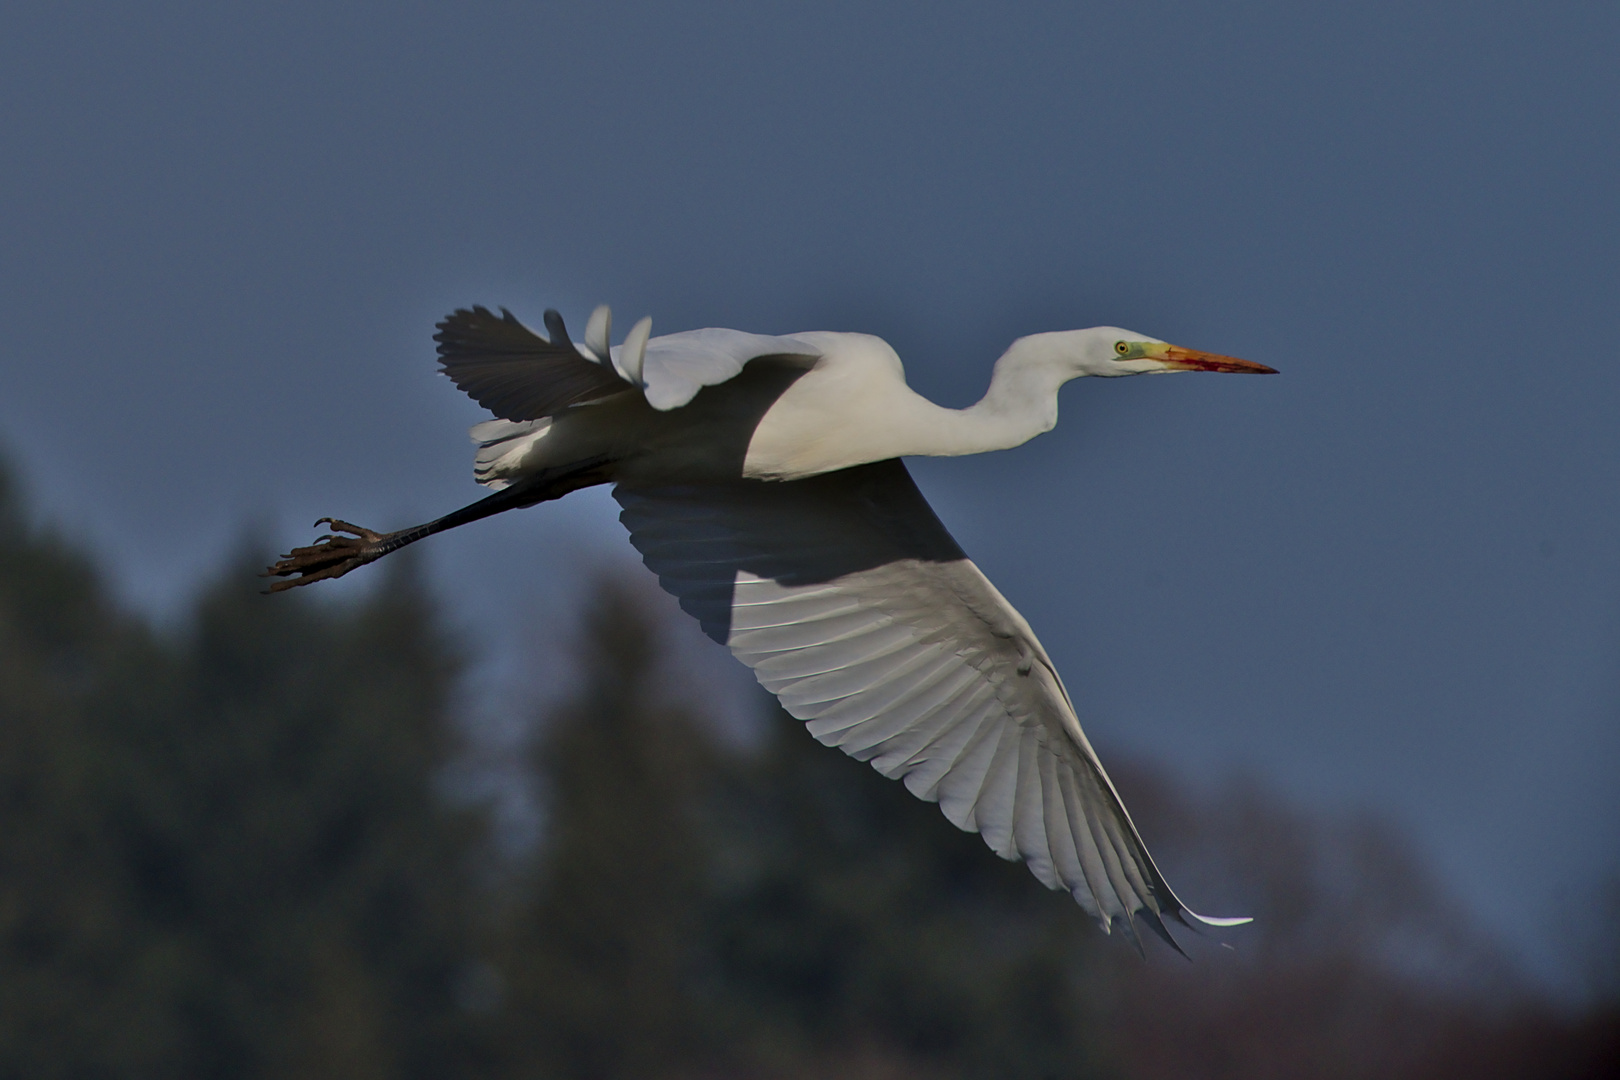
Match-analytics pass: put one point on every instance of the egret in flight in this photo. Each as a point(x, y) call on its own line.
point(760, 479)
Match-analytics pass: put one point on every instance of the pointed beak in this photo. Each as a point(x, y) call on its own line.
point(1176, 358)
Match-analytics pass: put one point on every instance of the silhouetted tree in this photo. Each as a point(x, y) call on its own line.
point(291, 826)
point(603, 958)
point(78, 962)
point(224, 854)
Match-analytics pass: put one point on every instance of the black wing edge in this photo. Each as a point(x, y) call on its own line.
point(513, 371)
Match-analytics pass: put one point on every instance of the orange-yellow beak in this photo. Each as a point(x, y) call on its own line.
point(1179, 359)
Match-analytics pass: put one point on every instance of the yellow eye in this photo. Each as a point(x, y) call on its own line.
point(1122, 348)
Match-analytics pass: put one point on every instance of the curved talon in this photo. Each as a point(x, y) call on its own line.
point(339, 525)
point(330, 556)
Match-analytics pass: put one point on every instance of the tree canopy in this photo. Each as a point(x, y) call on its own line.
point(227, 850)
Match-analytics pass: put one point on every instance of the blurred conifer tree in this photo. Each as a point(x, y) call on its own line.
point(224, 854)
point(77, 964)
point(603, 959)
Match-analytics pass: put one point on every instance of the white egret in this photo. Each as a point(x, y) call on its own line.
point(760, 480)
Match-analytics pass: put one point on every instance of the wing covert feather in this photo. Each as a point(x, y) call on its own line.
point(678, 365)
point(855, 607)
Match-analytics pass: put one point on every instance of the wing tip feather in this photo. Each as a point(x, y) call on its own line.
point(1218, 920)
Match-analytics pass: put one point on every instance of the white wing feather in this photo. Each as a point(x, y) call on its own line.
point(677, 366)
point(854, 606)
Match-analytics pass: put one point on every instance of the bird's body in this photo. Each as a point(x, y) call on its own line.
point(845, 404)
point(759, 478)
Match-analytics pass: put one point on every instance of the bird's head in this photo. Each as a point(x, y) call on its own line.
point(1111, 352)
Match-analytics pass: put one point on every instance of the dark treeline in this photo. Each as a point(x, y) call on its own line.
point(226, 851)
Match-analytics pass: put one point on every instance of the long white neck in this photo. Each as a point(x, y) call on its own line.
point(854, 407)
point(1020, 404)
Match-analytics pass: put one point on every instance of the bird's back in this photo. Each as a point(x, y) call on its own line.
point(840, 401)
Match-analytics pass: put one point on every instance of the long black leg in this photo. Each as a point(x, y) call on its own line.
point(332, 556)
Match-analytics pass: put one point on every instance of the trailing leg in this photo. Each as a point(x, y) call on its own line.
point(333, 555)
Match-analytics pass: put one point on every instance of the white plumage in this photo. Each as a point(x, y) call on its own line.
point(760, 479)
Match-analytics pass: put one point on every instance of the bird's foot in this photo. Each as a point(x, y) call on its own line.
point(330, 556)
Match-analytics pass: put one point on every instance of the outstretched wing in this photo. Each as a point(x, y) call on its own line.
point(679, 365)
point(513, 371)
point(855, 607)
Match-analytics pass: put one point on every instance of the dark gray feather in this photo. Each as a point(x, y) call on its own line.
point(513, 371)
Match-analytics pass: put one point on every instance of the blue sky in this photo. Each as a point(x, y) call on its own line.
point(1388, 577)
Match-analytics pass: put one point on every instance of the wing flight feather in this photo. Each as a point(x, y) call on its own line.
point(855, 607)
point(513, 371)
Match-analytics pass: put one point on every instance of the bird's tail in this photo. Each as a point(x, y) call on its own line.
point(503, 446)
